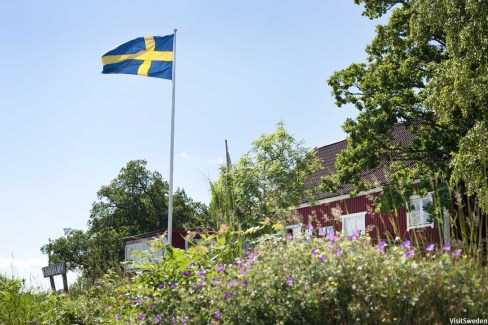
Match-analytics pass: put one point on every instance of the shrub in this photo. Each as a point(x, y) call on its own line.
point(313, 281)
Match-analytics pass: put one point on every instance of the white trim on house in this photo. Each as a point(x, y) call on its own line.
point(358, 220)
point(341, 197)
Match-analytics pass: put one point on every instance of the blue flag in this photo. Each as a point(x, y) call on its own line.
point(150, 56)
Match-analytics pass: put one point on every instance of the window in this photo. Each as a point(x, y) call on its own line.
point(418, 217)
point(352, 222)
point(294, 230)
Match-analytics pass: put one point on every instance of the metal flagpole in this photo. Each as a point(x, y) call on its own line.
point(170, 203)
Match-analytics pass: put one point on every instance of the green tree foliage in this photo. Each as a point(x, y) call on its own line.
point(267, 180)
point(135, 202)
point(427, 68)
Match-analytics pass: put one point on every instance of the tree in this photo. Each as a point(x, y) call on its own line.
point(427, 68)
point(135, 202)
point(267, 179)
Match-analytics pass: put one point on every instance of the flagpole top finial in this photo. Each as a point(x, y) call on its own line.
point(175, 30)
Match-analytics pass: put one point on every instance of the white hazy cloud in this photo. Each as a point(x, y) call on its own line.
point(22, 264)
point(215, 161)
point(184, 155)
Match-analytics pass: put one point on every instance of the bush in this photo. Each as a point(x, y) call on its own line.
point(312, 281)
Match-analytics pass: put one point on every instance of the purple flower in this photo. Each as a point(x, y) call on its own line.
point(321, 232)
point(331, 234)
point(457, 252)
point(130, 300)
point(228, 294)
point(332, 237)
point(245, 283)
point(220, 268)
point(247, 254)
point(190, 266)
point(161, 286)
point(172, 285)
point(200, 284)
point(322, 258)
point(186, 273)
point(138, 300)
point(406, 244)
point(216, 280)
point(233, 261)
point(140, 317)
point(310, 227)
point(173, 321)
point(157, 319)
point(410, 253)
point(314, 251)
point(381, 246)
point(217, 314)
point(184, 320)
point(239, 265)
point(289, 236)
point(430, 248)
point(243, 271)
point(338, 252)
point(447, 247)
point(354, 235)
point(290, 280)
point(201, 272)
point(117, 317)
point(232, 283)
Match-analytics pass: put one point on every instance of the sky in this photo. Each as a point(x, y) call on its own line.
point(66, 129)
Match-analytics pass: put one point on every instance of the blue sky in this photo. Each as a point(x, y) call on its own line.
point(66, 129)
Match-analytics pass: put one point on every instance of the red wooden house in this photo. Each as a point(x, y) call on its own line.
point(341, 212)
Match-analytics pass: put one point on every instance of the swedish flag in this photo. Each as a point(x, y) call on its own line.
point(150, 56)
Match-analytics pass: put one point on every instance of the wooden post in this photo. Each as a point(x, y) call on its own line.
point(53, 286)
point(65, 283)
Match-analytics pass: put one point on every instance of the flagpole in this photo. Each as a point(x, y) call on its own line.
point(170, 203)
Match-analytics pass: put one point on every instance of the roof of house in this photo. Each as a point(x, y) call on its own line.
point(327, 155)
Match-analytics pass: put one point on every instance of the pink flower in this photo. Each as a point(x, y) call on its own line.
point(322, 258)
point(457, 252)
point(338, 252)
point(430, 248)
point(314, 251)
point(447, 247)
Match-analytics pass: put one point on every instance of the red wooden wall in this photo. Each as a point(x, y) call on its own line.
point(378, 225)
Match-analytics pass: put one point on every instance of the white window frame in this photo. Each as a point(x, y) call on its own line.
point(296, 230)
point(362, 219)
point(423, 213)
